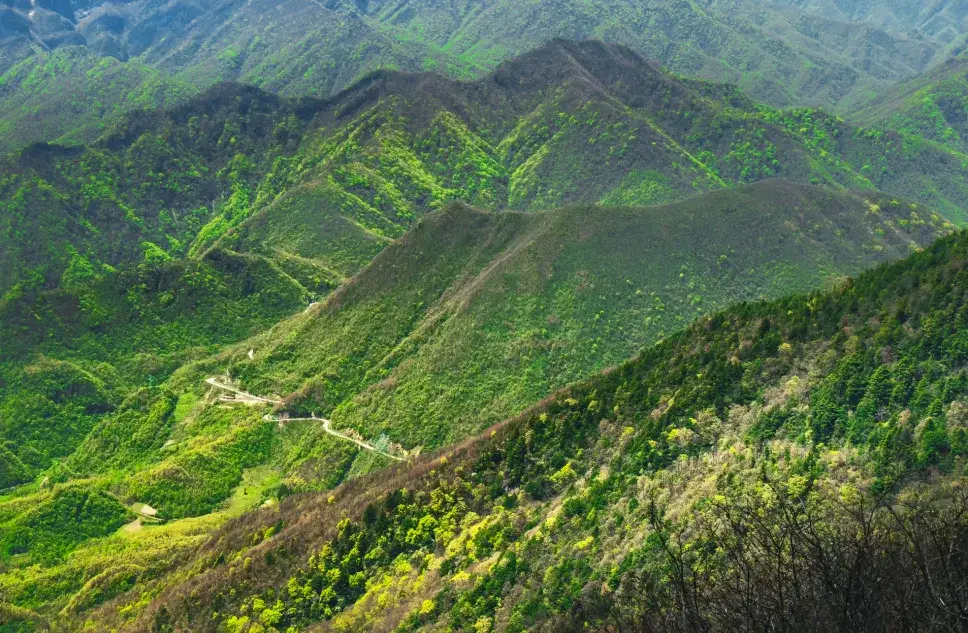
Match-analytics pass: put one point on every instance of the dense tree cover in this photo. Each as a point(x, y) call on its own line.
point(142, 194)
point(134, 259)
point(76, 56)
point(73, 95)
point(332, 182)
point(933, 106)
point(743, 469)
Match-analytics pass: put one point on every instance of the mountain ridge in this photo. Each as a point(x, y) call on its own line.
point(523, 528)
point(787, 54)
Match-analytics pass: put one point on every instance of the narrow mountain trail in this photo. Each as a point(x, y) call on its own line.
point(328, 428)
point(238, 396)
point(244, 397)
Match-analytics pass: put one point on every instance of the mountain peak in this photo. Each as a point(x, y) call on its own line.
point(558, 60)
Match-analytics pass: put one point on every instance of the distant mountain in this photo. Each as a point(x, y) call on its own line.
point(146, 191)
point(783, 53)
point(73, 95)
point(933, 106)
point(776, 51)
point(939, 20)
point(333, 181)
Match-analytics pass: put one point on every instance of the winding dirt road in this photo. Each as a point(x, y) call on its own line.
point(239, 397)
point(246, 398)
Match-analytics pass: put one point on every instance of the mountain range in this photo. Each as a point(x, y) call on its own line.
point(781, 418)
point(329, 183)
point(785, 53)
point(444, 325)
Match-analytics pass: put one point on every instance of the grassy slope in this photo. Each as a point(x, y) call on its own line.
point(806, 405)
point(482, 314)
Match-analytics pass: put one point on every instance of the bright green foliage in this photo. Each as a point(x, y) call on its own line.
point(813, 405)
point(933, 106)
point(786, 55)
point(70, 356)
point(322, 186)
point(483, 314)
point(474, 312)
point(162, 255)
point(59, 520)
point(73, 95)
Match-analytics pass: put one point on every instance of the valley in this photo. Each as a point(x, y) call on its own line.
point(487, 316)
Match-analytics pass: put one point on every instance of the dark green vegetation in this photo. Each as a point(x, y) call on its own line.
point(826, 431)
point(933, 106)
point(481, 313)
point(787, 53)
point(146, 276)
point(321, 186)
point(472, 316)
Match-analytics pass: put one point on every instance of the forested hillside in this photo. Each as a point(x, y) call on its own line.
point(333, 181)
point(472, 316)
point(933, 106)
point(73, 95)
point(791, 53)
point(144, 194)
point(348, 349)
point(798, 460)
point(109, 390)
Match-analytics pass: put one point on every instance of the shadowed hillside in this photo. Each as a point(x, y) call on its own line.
point(472, 315)
point(821, 433)
point(333, 181)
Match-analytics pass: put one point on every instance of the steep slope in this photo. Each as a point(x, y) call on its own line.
point(483, 314)
point(933, 106)
point(571, 122)
point(748, 469)
point(71, 356)
point(73, 95)
point(780, 52)
point(146, 191)
point(477, 312)
point(334, 181)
